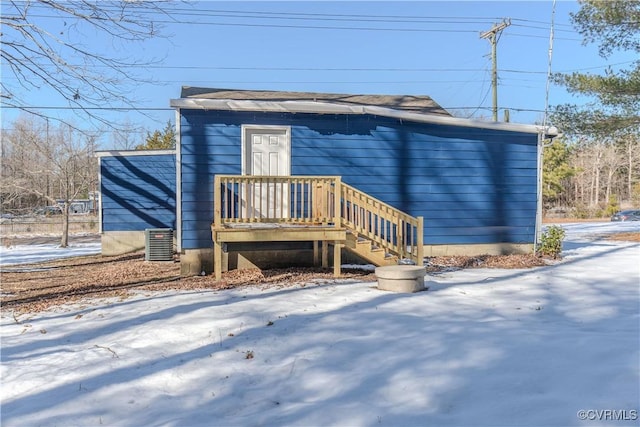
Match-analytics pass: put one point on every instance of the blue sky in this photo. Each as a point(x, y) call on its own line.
point(418, 48)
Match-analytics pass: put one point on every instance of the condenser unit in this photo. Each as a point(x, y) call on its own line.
point(158, 244)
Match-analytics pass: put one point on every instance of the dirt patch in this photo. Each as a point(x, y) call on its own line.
point(628, 237)
point(36, 287)
point(438, 264)
point(568, 220)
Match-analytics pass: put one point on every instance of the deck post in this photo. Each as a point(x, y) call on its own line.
point(316, 253)
point(217, 221)
point(337, 257)
point(337, 196)
point(217, 257)
point(325, 254)
point(217, 201)
point(420, 243)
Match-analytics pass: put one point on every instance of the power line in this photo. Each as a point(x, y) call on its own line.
point(446, 29)
point(199, 12)
point(319, 27)
point(67, 108)
point(531, 36)
point(292, 15)
point(331, 69)
point(177, 13)
point(350, 69)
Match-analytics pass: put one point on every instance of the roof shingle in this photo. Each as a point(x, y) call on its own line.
point(417, 104)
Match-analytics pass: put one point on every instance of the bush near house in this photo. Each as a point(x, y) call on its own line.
point(550, 244)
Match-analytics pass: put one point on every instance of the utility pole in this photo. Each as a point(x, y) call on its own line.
point(492, 36)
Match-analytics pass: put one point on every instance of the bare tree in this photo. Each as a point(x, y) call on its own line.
point(631, 151)
point(52, 53)
point(612, 164)
point(21, 167)
point(127, 137)
point(606, 173)
point(55, 164)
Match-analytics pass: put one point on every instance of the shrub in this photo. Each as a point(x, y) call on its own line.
point(581, 211)
point(613, 206)
point(550, 243)
point(598, 212)
point(635, 194)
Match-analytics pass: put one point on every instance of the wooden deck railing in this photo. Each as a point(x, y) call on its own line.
point(245, 199)
point(316, 200)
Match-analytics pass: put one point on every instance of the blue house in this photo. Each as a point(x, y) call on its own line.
point(137, 192)
point(405, 176)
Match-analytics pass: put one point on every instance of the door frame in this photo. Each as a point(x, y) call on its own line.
point(245, 149)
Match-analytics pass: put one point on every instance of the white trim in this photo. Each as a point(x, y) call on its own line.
point(538, 227)
point(333, 108)
point(116, 153)
point(99, 195)
point(278, 128)
point(178, 185)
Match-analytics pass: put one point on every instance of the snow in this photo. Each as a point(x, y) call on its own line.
point(481, 347)
point(25, 254)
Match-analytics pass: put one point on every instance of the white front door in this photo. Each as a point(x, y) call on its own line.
point(267, 151)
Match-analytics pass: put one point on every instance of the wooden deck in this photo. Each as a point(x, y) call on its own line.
point(320, 209)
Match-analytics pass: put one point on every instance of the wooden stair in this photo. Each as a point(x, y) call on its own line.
point(368, 251)
point(378, 232)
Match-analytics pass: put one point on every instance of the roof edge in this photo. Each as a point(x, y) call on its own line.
point(115, 153)
point(333, 108)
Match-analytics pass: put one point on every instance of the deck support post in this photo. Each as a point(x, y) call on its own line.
point(325, 254)
point(217, 259)
point(316, 253)
point(337, 257)
point(420, 241)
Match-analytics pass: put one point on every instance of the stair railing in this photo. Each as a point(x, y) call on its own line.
point(387, 227)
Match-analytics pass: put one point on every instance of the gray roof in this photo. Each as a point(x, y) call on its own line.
point(420, 109)
point(414, 103)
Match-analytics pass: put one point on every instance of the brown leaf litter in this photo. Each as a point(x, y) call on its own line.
point(39, 286)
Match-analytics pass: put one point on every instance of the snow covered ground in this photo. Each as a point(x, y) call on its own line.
point(551, 346)
point(25, 254)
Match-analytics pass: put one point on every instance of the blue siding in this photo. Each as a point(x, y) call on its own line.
point(138, 192)
point(471, 185)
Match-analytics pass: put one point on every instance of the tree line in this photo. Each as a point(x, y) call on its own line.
point(594, 169)
point(46, 164)
point(589, 178)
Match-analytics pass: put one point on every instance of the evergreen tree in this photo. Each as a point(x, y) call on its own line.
point(555, 171)
point(165, 140)
point(615, 26)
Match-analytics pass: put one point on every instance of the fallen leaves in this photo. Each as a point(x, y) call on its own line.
point(37, 287)
point(629, 237)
